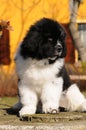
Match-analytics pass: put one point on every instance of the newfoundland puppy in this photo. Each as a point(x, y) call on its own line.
point(42, 75)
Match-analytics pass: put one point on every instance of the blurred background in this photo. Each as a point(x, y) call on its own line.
point(16, 16)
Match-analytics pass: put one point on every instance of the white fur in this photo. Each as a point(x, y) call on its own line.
point(38, 81)
point(73, 99)
point(51, 94)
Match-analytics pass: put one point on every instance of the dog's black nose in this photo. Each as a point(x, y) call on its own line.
point(59, 48)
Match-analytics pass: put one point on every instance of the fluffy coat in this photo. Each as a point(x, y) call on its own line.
point(40, 67)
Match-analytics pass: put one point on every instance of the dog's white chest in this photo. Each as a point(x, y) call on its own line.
point(37, 76)
point(35, 73)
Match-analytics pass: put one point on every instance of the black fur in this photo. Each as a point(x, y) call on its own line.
point(64, 74)
point(40, 43)
point(41, 39)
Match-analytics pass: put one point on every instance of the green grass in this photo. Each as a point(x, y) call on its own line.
point(8, 101)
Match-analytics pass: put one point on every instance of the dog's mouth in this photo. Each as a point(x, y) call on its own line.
point(57, 54)
point(52, 59)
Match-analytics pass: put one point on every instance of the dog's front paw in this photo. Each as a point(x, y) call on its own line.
point(48, 108)
point(26, 110)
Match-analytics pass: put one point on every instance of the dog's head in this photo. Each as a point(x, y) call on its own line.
point(45, 39)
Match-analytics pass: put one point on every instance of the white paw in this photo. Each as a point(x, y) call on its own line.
point(50, 108)
point(26, 110)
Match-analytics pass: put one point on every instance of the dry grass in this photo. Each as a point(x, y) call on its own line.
point(8, 83)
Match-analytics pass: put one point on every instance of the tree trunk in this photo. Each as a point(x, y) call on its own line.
point(74, 31)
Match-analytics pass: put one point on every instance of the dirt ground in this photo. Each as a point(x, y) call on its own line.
point(60, 121)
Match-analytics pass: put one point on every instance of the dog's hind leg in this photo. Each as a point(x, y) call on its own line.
point(73, 99)
point(17, 106)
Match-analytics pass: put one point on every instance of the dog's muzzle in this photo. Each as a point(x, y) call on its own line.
point(57, 53)
point(58, 49)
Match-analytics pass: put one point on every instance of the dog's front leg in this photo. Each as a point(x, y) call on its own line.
point(51, 95)
point(28, 99)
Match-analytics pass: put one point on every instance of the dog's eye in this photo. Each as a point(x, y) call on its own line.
point(50, 39)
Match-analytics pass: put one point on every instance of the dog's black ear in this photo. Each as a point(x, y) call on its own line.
point(29, 46)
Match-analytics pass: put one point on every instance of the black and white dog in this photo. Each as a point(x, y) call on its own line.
point(40, 68)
